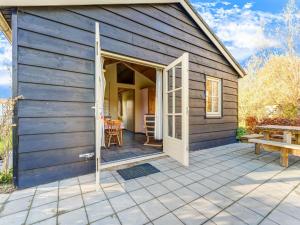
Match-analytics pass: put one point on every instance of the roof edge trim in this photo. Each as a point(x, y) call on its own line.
point(206, 29)
point(5, 28)
point(11, 3)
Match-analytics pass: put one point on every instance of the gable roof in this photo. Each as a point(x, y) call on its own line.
point(184, 3)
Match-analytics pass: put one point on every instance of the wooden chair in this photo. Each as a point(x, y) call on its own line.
point(113, 132)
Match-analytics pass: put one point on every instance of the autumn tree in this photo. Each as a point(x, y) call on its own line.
point(273, 79)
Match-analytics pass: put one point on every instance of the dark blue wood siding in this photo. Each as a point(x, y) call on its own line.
point(55, 62)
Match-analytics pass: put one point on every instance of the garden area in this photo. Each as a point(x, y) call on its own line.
point(6, 126)
point(270, 93)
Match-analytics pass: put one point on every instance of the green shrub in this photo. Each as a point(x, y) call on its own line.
point(6, 178)
point(240, 132)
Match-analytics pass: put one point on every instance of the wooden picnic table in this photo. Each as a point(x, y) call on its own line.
point(288, 132)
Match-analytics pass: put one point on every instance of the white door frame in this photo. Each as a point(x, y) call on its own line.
point(177, 148)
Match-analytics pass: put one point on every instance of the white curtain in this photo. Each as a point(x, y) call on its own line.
point(158, 106)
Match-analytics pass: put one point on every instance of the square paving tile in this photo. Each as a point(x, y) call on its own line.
point(205, 207)
point(194, 176)
point(159, 177)
point(108, 181)
point(171, 201)
point(186, 194)
point(141, 195)
point(69, 191)
point(110, 220)
point(99, 210)
point(22, 193)
point(210, 183)
point(113, 191)
point(224, 218)
point(121, 202)
point(42, 212)
point(70, 204)
point(93, 197)
point(14, 219)
point(76, 217)
point(283, 218)
point(184, 180)
point(218, 199)
point(88, 187)
point(50, 221)
point(229, 193)
point(47, 187)
point(199, 188)
point(172, 173)
point(255, 205)
point(132, 216)
point(44, 198)
point(68, 182)
point(88, 178)
point(157, 190)
point(16, 206)
point(244, 214)
point(3, 198)
point(131, 185)
point(153, 209)
point(189, 216)
point(171, 184)
point(167, 219)
point(146, 181)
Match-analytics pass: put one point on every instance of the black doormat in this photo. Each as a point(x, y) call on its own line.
point(138, 171)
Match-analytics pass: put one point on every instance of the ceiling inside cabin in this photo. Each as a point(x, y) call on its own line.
point(148, 72)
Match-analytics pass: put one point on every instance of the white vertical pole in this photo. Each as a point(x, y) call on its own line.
point(97, 111)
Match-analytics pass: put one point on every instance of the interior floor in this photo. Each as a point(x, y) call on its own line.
point(133, 146)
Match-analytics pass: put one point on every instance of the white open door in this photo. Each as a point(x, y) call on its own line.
point(176, 110)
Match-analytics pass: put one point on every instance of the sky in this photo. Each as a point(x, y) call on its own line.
point(246, 27)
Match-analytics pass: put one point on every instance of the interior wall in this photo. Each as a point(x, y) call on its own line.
point(111, 94)
point(128, 109)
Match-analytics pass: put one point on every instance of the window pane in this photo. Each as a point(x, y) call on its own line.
point(215, 88)
point(170, 102)
point(178, 74)
point(178, 127)
point(208, 104)
point(215, 105)
point(170, 80)
point(208, 88)
point(178, 100)
point(170, 126)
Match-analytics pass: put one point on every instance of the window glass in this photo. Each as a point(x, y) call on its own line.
point(213, 96)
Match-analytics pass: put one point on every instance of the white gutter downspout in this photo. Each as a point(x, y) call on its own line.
point(5, 28)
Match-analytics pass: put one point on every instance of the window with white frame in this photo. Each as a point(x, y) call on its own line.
point(213, 97)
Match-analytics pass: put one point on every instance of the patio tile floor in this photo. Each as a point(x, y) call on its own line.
point(224, 185)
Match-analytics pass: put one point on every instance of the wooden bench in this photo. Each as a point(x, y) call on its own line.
point(273, 146)
point(245, 138)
